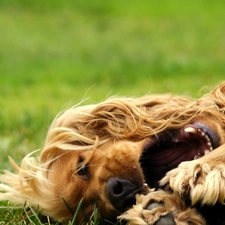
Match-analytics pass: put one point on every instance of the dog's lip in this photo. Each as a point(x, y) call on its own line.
point(201, 129)
point(206, 138)
point(171, 147)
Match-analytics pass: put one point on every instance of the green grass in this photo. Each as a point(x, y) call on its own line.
point(56, 53)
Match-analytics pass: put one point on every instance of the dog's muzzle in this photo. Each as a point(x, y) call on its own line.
point(121, 193)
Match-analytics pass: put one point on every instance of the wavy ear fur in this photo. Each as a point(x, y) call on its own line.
point(83, 127)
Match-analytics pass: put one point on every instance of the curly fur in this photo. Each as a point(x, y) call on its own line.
point(141, 215)
point(98, 131)
point(205, 176)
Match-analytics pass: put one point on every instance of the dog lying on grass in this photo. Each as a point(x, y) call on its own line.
point(109, 153)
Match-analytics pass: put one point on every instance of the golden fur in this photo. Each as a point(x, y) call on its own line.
point(87, 145)
point(202, 179)
point(139, 214)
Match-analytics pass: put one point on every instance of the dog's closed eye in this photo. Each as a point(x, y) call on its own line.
point(83, 169)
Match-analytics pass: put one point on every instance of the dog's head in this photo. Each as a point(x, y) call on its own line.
point(108, 177)
point(105, 154)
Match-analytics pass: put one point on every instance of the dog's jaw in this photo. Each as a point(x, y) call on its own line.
point(168, 149)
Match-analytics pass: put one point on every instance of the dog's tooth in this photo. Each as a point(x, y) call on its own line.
point(190, 130)
point(207, 138)
point(202, 132)
point(209, 144)
point(206, 151)
point(196, 157)
point(145, 185)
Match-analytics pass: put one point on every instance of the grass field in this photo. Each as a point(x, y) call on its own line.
point(55, 53)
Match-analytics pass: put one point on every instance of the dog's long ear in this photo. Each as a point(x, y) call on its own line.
point(78, 127)
point(218, 96)
point(220, 89)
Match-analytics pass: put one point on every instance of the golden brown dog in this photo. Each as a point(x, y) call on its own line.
point(108, 153)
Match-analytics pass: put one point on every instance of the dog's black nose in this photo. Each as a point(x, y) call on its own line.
point(121, 193)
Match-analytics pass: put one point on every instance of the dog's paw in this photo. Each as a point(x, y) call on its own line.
point(161, 208)
point(198, 180)
point(167, 219)
point(152, 214)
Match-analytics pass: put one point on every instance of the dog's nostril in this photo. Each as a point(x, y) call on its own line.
point(117, 188)
point(121, 193)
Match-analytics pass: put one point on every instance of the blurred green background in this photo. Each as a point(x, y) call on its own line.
point(55, 53)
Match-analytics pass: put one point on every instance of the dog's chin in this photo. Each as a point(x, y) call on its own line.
point(168, 149)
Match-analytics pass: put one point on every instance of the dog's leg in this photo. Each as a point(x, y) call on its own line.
point(161, 208)
point(201, 180)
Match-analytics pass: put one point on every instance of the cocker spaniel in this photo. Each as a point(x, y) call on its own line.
point(112, 156)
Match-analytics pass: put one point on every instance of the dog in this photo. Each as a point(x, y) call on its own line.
point(111, 155)
point(196, 192)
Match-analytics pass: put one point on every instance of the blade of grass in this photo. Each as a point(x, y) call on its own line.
point(73, 222)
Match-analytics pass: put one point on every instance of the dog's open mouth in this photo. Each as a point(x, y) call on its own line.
point(168, 149)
